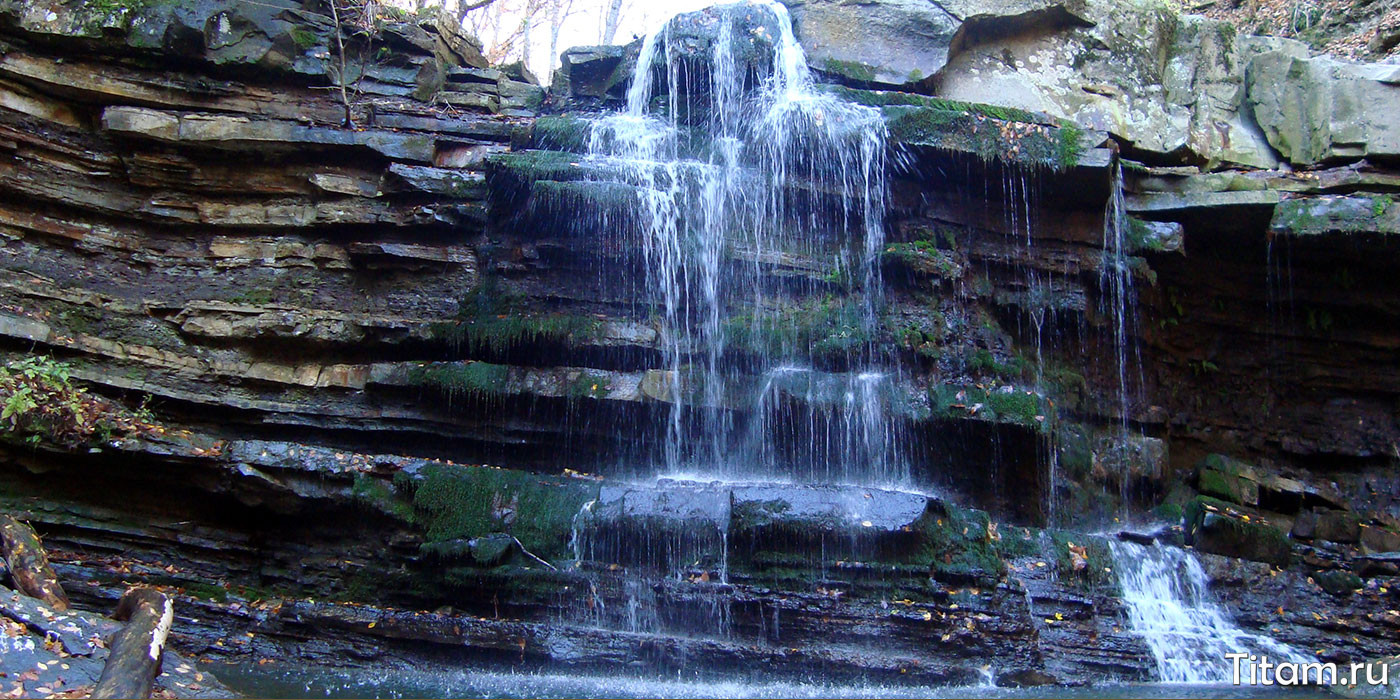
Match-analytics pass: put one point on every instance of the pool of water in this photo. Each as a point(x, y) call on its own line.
point(281, 681)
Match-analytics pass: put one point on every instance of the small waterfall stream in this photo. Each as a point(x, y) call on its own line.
point(1168, 603)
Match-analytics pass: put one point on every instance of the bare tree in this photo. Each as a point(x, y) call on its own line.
point(611, 20)
point(559, 12)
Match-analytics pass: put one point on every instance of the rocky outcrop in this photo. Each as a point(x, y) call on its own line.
point(389, 368)
point(901, 42)
point(1318, 109)
point(1170, 87)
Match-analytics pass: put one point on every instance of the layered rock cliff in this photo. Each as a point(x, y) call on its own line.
point(366, 350)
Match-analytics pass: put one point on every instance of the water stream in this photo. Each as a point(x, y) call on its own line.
point(1168, 603)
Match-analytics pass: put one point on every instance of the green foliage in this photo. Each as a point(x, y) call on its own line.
point(1380, 204)
point(39, 402)
point(456, 502)
point(490, 318)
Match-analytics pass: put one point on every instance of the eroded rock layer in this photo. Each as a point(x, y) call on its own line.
point(383, 384)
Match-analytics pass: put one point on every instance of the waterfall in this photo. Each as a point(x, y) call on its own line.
point(1168, 603)
point(744, 158)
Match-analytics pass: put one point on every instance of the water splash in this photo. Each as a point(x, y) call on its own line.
point(1168, 603)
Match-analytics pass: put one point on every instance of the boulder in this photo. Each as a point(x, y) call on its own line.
point(1212, 526)
point(1338, 582)
point(1228, 480)
point(1319, 109)
point(899, 43)
point(595, 72)
point(1167, 85)
point(1376, 538)
point(1337, 526)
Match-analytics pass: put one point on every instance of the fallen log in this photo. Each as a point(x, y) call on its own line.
point(133, 661)
point(29, 565)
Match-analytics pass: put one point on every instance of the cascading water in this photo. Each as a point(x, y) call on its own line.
point(738, 164)
point(1116, 281)
point(747, 159)
point(1168, 603)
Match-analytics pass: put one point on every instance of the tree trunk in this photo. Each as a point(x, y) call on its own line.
point(29, 566)
point(611, 20)
point(134, 660)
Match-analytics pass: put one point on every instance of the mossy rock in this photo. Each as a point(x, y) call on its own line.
point(958, 544)
point(1212, 526)
point(562, 133)
point(1338, 582)
point(986, 137)
point(1229, 487)
point(1096, 569)
point(463, 503)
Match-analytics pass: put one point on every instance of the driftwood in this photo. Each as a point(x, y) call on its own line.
point(29, 565)
point(136, 650)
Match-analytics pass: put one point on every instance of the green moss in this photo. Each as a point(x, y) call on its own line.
point(472, 380)
point(1169, 512)
point(923, 256)
point(589, 385)
point(256, 296)
point(80, 319)
point(304, 38)
point(562, 133)
point(1338, 582)
point(1380, 204)
point(456, 502)
point(492, 319)
point(957, 543)
point(1097, 565)
point(378, 495)
point(1016, 406)
point(879, 98)
point(205, 591)
point(851, 69)
point(1069, 145)
point(747, 515)
point(824, 329)
point(986, 135)
point(1232, 535)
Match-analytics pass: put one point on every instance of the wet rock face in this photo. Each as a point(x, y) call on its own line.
point(327, 317)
